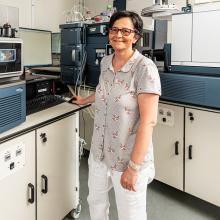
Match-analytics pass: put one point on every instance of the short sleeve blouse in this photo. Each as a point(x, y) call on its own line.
point(116, 109)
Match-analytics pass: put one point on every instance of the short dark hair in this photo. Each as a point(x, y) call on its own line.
point(135, 18)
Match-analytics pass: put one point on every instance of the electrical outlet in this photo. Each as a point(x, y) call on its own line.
point(12, 158)
point(165, 116)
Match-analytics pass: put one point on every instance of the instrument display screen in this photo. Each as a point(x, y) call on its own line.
point(7, 55)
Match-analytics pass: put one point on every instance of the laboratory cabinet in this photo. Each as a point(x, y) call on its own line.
point(168, 145)
point(57, 169)
point(86, 119)
point(187, 149)
point(202, 151)
point(17, 178)
point(39, 172)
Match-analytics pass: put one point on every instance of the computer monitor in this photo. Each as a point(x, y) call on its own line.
point(36, 47)
point(56, 43)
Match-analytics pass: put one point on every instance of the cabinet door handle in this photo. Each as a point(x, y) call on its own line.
point(44, 184)
point(31, 188)
point(43, 137)
point(190, 152)
point(177, 148)
point(191, 117)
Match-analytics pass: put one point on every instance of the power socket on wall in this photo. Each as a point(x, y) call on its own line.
point(165, 116)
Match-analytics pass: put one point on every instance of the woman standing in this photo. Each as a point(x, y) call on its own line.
point(126, 101)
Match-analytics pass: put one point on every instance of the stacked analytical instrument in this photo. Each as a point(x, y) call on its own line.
point(96, 47)
point(73, 53)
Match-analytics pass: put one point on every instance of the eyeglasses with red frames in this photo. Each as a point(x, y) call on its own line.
point(124, 31)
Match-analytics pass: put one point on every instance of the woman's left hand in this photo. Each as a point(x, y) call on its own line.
point(129, 179)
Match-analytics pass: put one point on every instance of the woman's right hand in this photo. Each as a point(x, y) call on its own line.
point(79, 100)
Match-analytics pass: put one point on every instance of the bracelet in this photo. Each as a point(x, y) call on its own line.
point(134, 166)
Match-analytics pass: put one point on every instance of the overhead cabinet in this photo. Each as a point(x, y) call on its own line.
point(187, 149)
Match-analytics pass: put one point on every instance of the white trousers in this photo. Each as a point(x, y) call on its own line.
point(130, 205)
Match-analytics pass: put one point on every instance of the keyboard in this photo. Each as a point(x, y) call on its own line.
point(42, 103)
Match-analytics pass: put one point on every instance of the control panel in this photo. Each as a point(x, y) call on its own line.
point(12, 158)
point(165, 116)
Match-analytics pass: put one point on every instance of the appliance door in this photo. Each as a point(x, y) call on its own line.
point(73, 36)
point(71, 75)
point(72, 55)
point(10, 59)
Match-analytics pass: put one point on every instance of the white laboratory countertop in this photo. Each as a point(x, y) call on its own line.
point(41, 118)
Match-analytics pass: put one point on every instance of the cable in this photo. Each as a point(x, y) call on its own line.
point(81, 70)
point(80, 73)
point(84, 125)
point(86, 93)
point(77, 79)
point(71, 90)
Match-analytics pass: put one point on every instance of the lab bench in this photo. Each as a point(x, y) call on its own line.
point(39, 165)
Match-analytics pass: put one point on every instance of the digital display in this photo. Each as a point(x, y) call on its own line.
point(7, 55)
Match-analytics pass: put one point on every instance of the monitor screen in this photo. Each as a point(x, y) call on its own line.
point(56, 42)
point(36, 47)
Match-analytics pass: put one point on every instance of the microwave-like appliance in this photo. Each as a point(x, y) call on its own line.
point(10, 57)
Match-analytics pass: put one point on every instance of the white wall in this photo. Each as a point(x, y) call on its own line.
point(97, 6)
point(24, 10)
point(202, 1)
point(41, 14)
point(133, 6)
point(50, 13)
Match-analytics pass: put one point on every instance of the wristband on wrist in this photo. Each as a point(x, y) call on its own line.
point(134, 166)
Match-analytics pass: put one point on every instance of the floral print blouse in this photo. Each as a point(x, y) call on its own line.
point(116, 110)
